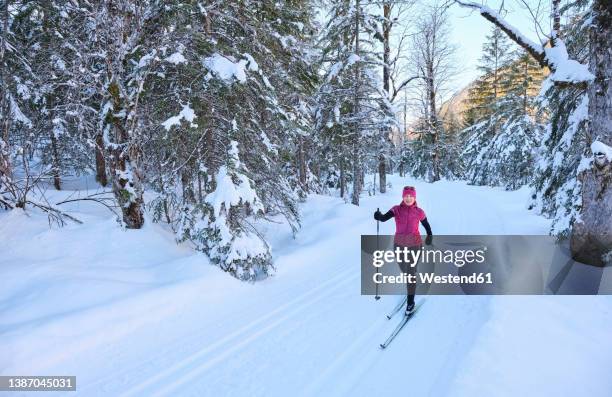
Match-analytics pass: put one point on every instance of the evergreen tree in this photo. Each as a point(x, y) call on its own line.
point(207, 104)
point(497, 53)
point(352, 108)
point(237, 164)
point(556, 190)
point(18, 93)
point(500, 143)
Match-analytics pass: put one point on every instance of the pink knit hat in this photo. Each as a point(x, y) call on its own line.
point(409, 190)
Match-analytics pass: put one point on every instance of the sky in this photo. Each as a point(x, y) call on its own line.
point(469, 30)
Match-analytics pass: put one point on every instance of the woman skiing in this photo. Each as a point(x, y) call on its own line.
point(407, 217)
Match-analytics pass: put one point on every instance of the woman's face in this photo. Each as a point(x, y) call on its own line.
point(408, 199)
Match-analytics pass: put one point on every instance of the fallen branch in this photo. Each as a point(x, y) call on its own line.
point(58, 215)
point(97, 200)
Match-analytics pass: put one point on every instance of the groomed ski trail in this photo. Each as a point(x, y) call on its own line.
point(307, 329)
point(337, 327)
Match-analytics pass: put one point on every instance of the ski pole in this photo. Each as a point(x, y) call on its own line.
point(377, 229)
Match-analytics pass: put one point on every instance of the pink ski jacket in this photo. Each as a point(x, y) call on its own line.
point(407, 218)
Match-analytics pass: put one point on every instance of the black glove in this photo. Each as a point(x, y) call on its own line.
point(428, 239)
point(377, 215)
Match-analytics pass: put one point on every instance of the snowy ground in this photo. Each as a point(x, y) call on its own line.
point(130, 313)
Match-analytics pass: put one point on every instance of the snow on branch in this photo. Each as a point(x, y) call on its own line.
point(601, 150)
point(534, 49)
point(564, 70)
point(227, 68)
point(186, 114)
point(397, 90)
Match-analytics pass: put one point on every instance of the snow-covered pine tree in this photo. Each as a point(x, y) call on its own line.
point(520, 132)
point(352, 109)
point(16, 97)
point(50, 85)
point(291, 30)
point(238, 97)
point(591, 234)
point(500, 143)
point(59, 120)
point(556, 188)
point(481, 116)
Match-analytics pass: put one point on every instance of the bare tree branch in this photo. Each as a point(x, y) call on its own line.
point(397, 90)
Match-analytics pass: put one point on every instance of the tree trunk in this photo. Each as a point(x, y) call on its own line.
point(101, 176)
point(403, 136)
point(188, 192)
point(55, 161)
point(382, 158)
point(301, 158)
point(127, 187)
point(433, 121)
point(526, 84)
point(556, 18)
point(342, 179)
point(126, 174)
point(6, 172)
point(592, 233)
point(382, 170)
point(356, 130)
point(357, 171)
point(199, 176)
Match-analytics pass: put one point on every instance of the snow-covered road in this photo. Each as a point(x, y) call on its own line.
point(132, 314)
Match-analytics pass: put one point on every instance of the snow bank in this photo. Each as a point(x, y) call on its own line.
point(81, 287)
point(540, 346)
point(131, 313)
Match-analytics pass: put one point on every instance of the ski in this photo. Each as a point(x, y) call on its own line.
point(400, 326)
point(397, 308)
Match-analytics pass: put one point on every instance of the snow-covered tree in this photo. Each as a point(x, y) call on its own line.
point(590, 236)
point(15, 98)
point(483, 95)
point(432, 57)
point(236, 106)
point(500, 143)
point(556, 188)
point(353, 111)
point(394, 37)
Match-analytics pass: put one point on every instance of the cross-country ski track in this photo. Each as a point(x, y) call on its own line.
point(169, 324)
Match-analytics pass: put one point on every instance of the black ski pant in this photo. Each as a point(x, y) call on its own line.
point(406, 267)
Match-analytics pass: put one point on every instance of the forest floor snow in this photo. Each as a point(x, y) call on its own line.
point(131, 313)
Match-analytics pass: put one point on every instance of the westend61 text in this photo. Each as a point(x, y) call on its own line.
point(429, 278)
